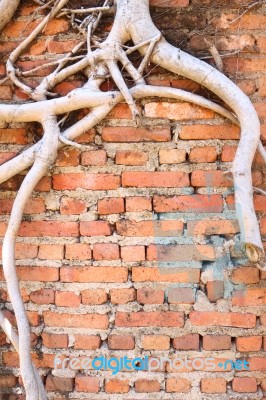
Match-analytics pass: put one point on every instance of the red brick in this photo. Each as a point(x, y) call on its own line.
point(97, 157)
point(203, 155)
point(154, 179)
point(172, 156)
point(194, 203)
point(88, 321)
point(94, 296)
point(58, 25)
point(87, 137)
point(215, 290)
point(155, 342)
point(212, 227)
point(93, 274)
point(120, 134)
point(15, 136)
point(177, 385)
point(187, 342)
point(213, 342)
point(150, 296)
point(150, 228)
point(213, 385)
point(55, 383)
point(131, 158)
point(177, 111)
point(169, 253)
point(210, 179)
point(249, 343)
point(121, 342)
point(228, 153)
point(106, 251)
point(147, 386)
point(42, 274)
point(48, 228)
point(209, 318)
point(61, 47)
point(78, 251)
point(249, 297)
point(67, 299)
point(257, 363)
point(69, 206)
point(8, 381)
point(6, 156)
point(121, 111)
point(55, 341)
point(68, 158)
point(88, 384)
point(95, 228)
point(111, 205)
point(122, 296)
point(181, 295)
point(169, 3)
point(74, 181)
point(244, 385)
point(233, 64)
point(117, 386)
point(24, 251)
point(133, 253)
point(87, 342)
point(51, 252)
point(43, 296)
point(245, 275)
point(263, 319)
point(263, 226)
point(137, 204)
point(198, 132)
point(33, 206)
point(163, 274)
point(155, 318)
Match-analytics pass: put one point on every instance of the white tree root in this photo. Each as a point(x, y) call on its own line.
point(132, 21)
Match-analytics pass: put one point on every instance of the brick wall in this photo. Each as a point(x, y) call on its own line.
point(118, 252)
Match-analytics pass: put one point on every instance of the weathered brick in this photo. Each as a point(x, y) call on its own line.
point(78, 251)
point(42, 274)
point(67, 299)
point(215, 290)
point(89, 321)
point(88, 384)
point(111, 205)
point(181, 295)
point(172, 156)
point(56, 383)
point(150, 228)
point(244, 385)
point(249, 297)
point(137, 204)
point(51, 252)
point(209, 318)
point(177, 385)
point(155, 318)
point(216, 342)
point(194, 203)
point(87, 342)
point(245, 275)
point(120, 134)
point(131, 158)
point(155, 342)
point(95, 228)
point(69, 206)
point(198, 132)
point(249, 343)
point(163, 274)
point(187, 342)
point(122, 296)
point(169, 3)
point(43, 296)
point(106, 251)
point(48, 228)
point(121, 342)
point(150, 296)
point(94, 296)
point(97, 157)
point(154, 179)
point(93, 274)
point(54, 341)
point(74, 181)
point(133, 253)
point(203, 155)
point(147, 386)
point(213, 385)
point(169, 253)
point(117, 386)
point(8, 381)
point(177, 111)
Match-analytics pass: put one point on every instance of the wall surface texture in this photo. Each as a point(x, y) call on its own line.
point(122, 250)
